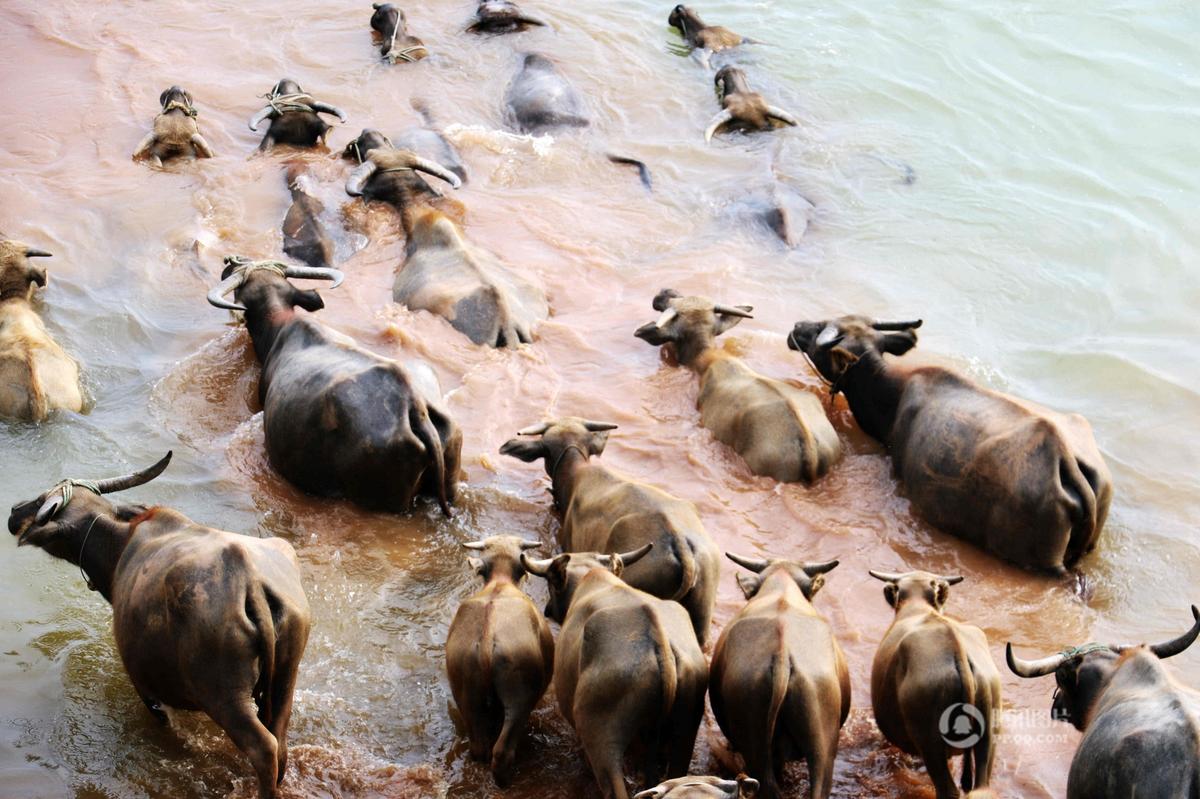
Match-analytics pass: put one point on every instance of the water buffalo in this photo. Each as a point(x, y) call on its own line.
point(934, 687)
point(427, 141)
point(779, 684)
point(541, 98)
point(294, 117)
point(627, 667)
point(390, 175)
point(703, 788)
point(1141, 733)
point(175, 130)
point(392, 25)
point(1022, 481)
point(741, 108)
point(203, 619)
point(36, 375)
point(470, 287)
point(604, 511)
point(700, 36)
point(781, 431)
point(501, 16)
point(499, 654)
point(304, 235)
point(338, 420)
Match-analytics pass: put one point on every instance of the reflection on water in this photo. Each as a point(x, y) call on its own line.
point(1045, 241)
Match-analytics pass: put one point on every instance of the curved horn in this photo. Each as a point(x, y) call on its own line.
point(730, 310)
point(597, 427)
point(1177, 645)
point(437, 170)
point(665, 318)
point(134, 480)
point(885, 326)
point(530, 544)
point(828, 336)
point(630, 558)
point(534, 430)
point(723, 118)
point(538, 566)
point(36, 253)
point(951, 580)
point(783, 116)
point(753, 564)
point(476, 545)
point(326, 108)
point(50, 507)
point(1032, 668)
point(315, 273)
point(216, 297)
point(820, 568)
point(359, 177)
point(258, 118)
point(887, 577)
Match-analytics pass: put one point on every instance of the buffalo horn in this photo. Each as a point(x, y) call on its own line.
point(216, 297)
point(828, 336)
point(315, 273)
point(36, 253)
point(538, 566)
point(359, 177)
point(629, 558)
point(133, 480)
point(1177, 645)
point(437, 170)
point(49, 508)
point(886, 326)
point(598, 427)
point(534, 430)
point(476, 545)
point(1033, 668)
point(258, 118)
point(530, 544)
point(783, 116)
point(753, 564)
point(330, 109)
point(665, 318)
point(887, 577)
point(820, 568)
point(722, 118)
point(730, 310)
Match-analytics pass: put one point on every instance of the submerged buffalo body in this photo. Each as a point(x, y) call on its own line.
point(541, 98)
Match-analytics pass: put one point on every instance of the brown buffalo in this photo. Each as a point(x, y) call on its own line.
point(294, 117)
point(339, 420)
point(499, 654)
point(389, 175)
point(779, 685)
point(304, 235)
point(703, 788)
point(203, 619)
point(501, 16)
point(700, 36)
point(1141, 732)
point(604, 511)
point(627, 667)
point(398, 45)
point(742, 108)
point(175, 131)
point(1022, 481)
point(934, 687)
point(36, 375)
point(781, 431)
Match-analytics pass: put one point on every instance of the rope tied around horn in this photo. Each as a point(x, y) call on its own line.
point(406, 54)
point(282, 103)
point(67, 489)
point(244, 266)
point(1073, 652)
point(179, 105)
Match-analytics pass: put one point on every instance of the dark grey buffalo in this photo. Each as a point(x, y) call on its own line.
point(294, 116)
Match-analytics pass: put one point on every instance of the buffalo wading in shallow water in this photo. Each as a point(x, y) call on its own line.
point(741, 108)
point(392, 25)
point(712, 38)
point(36, 374)
point(927, 667)
point(338, 420)
point(628, 671)
point(604, 511)
point(203, 619)
point(499, 654)
point(1141, 732)
point(779, 684)
point(1022, 481)
point(175, 130)
point(781, 431)
point(388, 175)
point(293, 114)
point(703, 788)
point(501, 16)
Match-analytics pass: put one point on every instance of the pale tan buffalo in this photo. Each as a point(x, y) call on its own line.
point(1022, 481)
point(703, 788)
point(779, 684)
point(628, 670)
point(605, 511)
point(499, 654)
point(781, 431)
point(175, 130)
point(203, 619)
point(742, 108)
point(36, 375)
point(934, 687)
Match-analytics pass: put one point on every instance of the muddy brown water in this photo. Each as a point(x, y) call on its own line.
point(1047, 254)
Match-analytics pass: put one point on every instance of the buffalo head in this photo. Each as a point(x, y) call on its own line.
point(703, 788)
point(1083, 672)
point(931, 589)
point(17, 275)
point(689, 324)
point(835, 345)
point(370, 139)
point(564, 572)
point(176, 97)
point(499, 552)
point(264, 284)
point(552, 439)
point(808, 576)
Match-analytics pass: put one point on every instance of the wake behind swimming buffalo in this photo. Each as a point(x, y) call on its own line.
point(634, 584)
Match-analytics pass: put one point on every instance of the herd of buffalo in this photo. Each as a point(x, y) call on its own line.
point(210, 620)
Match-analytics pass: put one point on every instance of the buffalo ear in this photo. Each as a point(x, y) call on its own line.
point(898, 343)
point(597, 442)
point(890, 593)
point(662, 300)
point(309, 300)
point(651, 333)
point(557, 575)
point(476, 565)
point(942, 593)
point(816, 584)
point(525, 449)
point(726, 321)
point(38, 275)
point(749, 583)
point(162, 98)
